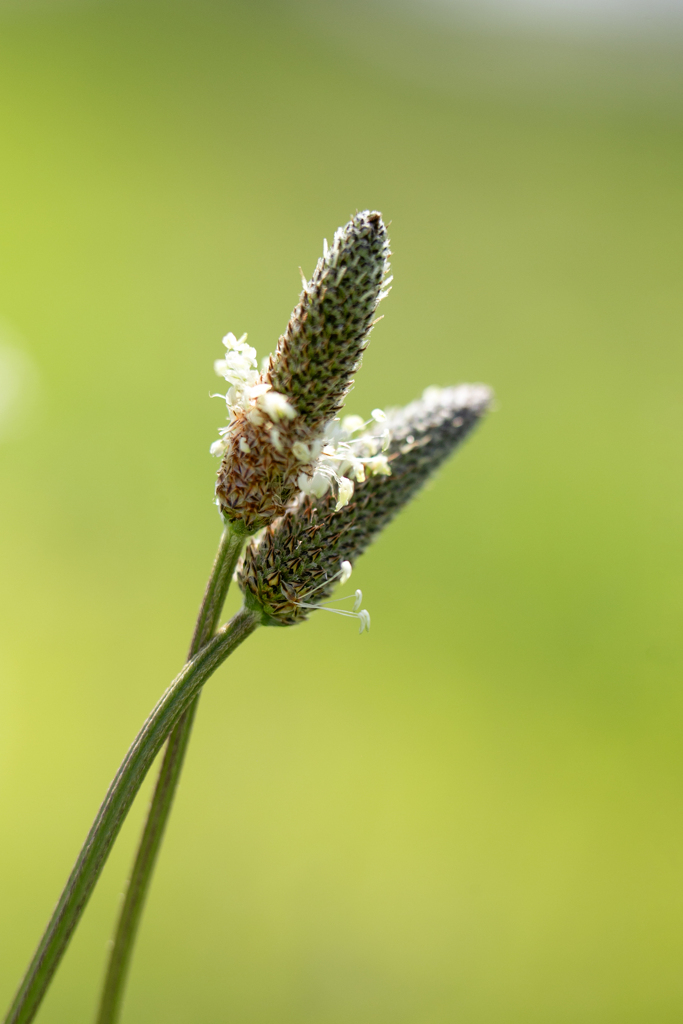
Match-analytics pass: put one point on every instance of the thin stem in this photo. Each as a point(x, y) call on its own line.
point(167, 783)
point(229, 549)
point(112, 813)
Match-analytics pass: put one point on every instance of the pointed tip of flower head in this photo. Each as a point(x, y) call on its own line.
point(318, 355)
point(477, 397)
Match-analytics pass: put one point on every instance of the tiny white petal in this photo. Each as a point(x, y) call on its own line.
point(244, 447)
point(319, 485)
point(255, 416)
point(276, 406)
point(217, 448)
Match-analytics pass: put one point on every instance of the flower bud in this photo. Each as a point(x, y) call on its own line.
point(277, 425)
point(300, 557)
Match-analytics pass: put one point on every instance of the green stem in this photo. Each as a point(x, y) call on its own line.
point(167, 783)
point(112, 813)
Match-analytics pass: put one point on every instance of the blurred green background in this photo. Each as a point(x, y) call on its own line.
point(474, 813)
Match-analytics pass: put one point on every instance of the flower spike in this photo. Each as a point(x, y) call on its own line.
point(278, 419)
point(300, 554)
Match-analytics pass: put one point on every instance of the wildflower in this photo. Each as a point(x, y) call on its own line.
point(296, 562)
point(281, 419)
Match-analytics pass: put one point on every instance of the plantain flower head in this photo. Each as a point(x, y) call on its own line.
point(282, 420)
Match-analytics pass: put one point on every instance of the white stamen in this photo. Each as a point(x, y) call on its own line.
point(344, 493)
point(346, 570)
point(362, 616)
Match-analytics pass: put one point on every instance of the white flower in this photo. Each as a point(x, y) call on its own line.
point(239, 369)
point(239, 364)
point(343, 458)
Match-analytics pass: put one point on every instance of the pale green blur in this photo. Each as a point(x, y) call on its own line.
point(475, 813)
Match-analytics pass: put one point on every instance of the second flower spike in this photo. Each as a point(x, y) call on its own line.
point(277, 420)
point(298, 560)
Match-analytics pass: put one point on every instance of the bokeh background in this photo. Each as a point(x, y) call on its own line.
point(475, 812)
